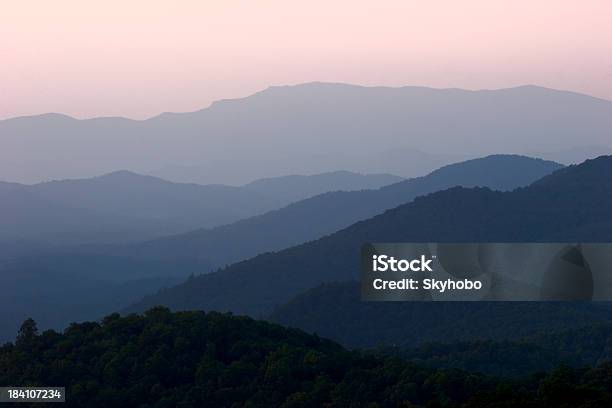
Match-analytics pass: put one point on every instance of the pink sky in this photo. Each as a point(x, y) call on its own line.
point(139, 58)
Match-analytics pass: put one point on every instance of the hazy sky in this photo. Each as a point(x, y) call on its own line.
point(139, 58)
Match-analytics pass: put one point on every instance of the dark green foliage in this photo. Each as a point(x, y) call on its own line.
point(335, 311)
point(589, 345)
point(193, 359)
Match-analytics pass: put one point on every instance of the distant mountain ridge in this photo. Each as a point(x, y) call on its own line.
point(141, 196)
point(569, 205)
point(26, 216)
point(125, 206)
point(310, 128)
point(299, 187)
point(326, 213)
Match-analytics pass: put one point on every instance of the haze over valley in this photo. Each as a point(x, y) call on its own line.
point(285, 167)
point(65, 272)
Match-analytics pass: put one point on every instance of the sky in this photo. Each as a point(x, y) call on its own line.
point(137, 58)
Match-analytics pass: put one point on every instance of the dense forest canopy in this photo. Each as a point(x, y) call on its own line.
point(193, 359)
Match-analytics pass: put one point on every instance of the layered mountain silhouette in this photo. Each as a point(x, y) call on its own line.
point(309, 128)
point(125, 206)
point(129, 194)
point(298, 187)
point(65, 276)
point(569, 205)
point(326, 213)
point(26, 216)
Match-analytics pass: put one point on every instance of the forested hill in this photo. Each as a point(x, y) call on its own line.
point(335, 311)
point(193, 359)
point(572, 204)
point(585, 346)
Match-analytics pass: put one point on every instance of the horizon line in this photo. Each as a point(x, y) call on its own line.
point(131, 119)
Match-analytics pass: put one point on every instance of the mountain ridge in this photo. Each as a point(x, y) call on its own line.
point(358, 126)
point(326, 213)
point(310, 83)
point(154, 207)
point(257, 285)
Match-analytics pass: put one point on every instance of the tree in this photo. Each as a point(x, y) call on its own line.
point(27, 333)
